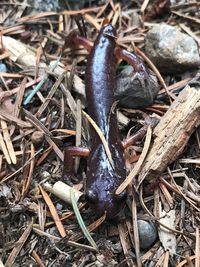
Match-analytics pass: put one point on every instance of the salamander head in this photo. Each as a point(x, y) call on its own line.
point(102, 198)
point(109, 31)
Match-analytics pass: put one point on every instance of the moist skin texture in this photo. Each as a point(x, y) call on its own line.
point(103, 179)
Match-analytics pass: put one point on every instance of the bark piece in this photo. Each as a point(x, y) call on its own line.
point(62, 191)
point(172, 132)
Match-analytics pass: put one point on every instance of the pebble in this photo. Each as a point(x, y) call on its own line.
point(43, 5)
point(171, 50)
point(37, 138)
point(59, 206)
point(147, 233)
point(45, 175)
point(131, 93)
point(3, 67)
point(5, 191)
point(52, 5)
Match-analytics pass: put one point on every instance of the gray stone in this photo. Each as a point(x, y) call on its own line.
point(147, 233)
point(5, 191)
point(43, 5)
point(170, 50)
point(131, 93)
point(3, 67)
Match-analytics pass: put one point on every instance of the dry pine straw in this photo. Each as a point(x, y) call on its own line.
point(23, 162)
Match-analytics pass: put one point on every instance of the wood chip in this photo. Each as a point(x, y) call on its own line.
point(4, 149)
point(62, 191)
point(168, 238)
point(7, 139)
point(172, 133)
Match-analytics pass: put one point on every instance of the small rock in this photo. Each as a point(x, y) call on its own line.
point(170, 50)
point(44, 5)
point(59, 206)
point(37, 138)
point(131, 93)
point(45, 175)
point(147, 233)
point(5, 191)
point(3, 67)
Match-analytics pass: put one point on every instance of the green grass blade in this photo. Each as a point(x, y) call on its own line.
point(81, 222)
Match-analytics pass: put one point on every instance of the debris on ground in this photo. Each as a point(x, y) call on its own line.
point(42, 96)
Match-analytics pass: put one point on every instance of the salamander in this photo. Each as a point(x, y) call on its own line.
point(102, 177)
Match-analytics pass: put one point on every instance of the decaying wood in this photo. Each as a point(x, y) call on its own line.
point(32, 48)
point(172, 133)
point(62, 191)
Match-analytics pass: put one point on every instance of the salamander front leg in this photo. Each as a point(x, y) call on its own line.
point(74, 39)
point(132, 59)
point(140, 133)
point(69, 154)
point(134, 138)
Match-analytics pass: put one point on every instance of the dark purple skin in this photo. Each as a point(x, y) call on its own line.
point(103, 179)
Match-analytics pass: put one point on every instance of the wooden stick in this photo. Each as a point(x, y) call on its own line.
point(172, 133)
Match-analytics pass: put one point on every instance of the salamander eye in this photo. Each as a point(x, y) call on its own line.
point(90, 196)
point(121, 196)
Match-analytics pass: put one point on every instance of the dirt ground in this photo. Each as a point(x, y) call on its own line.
point(41, 84)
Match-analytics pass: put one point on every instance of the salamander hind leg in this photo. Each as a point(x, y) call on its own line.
point(69, 154)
